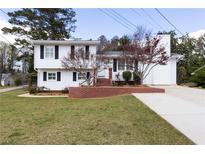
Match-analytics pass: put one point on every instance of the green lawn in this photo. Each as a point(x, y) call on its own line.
point(114, 120)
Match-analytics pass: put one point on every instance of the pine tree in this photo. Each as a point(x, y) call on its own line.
point(39, 24)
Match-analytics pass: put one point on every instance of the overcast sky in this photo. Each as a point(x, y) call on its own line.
point(91, 23)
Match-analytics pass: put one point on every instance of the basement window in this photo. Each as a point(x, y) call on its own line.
point(51, 76)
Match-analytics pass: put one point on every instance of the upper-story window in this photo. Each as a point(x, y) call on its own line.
point(49, 52)
point(72, 52)
point(87, 52)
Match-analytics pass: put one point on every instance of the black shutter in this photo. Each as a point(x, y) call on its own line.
point(74, 76)
point(42, 52)
point(58, 76)
point(72, 52)
point(87, 52)
point(88, 75)
point(56, 52)
point(44, 76)
point(114, 65)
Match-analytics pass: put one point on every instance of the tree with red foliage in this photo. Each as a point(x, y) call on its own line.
point(146, 54)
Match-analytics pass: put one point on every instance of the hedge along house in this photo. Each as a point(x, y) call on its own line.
point(51, 74)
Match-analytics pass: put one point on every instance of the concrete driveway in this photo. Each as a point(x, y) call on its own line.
point(182, 107)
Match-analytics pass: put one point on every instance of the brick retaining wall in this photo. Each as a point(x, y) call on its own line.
point(93, 92)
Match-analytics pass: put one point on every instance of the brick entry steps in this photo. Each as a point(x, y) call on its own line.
point(103, 82)
point(94, 92)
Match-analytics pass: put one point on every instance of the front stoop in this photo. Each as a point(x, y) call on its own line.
point(103, 82)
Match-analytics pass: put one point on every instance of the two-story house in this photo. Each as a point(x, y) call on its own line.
point(48, 55)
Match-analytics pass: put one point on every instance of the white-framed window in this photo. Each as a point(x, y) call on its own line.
point(82, 76)
point(51, 76)
point(129, 64)
point(49, 52)
point(121, 64)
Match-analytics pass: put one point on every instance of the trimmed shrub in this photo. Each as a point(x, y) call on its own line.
point(65, 91)
point(136, 78)
point(127, 75)
point(17, 82)
point(32, 90)
point(181, 75)
point(199, 77)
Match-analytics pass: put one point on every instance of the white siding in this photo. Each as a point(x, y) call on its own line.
point(161, 74)
point(64, 51)
point(173, 71)
point(66, 80)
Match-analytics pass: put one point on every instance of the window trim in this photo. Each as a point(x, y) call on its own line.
point(49, 46)
point(82, 78)
point(127, 64)
point(118, 64)
point(51, 79)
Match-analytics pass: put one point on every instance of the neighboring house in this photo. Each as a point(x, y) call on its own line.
point(7, 79)
point(48, 55)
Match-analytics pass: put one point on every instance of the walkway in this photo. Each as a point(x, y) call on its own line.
point(10, 89)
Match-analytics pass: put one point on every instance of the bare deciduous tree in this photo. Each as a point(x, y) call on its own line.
point(4, 58)
point(80, 61)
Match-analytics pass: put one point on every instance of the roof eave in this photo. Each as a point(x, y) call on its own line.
point(67, 42)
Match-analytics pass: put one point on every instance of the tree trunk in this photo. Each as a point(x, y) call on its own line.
point(1, 68)
point(141, 79)
point(94, 77)
point(0, 77)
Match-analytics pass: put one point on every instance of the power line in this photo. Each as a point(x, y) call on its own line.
point(6, 39)
point(142, 17)
point(149, 16)
point(169, 21)
point(1, 34)
point(3, 12)
point(117, 20)
point(125, 19)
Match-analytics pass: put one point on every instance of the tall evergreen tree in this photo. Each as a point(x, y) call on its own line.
point(39, 23)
